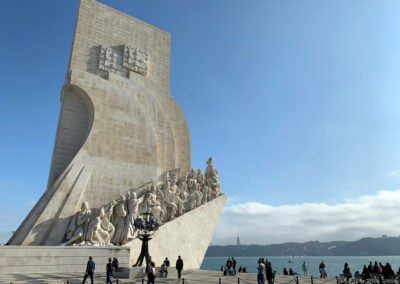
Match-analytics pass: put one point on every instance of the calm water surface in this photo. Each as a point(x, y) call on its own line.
point(334, 264)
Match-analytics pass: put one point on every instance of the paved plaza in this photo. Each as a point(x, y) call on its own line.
point(190, 276)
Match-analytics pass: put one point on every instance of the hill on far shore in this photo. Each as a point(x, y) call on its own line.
point(363, 247)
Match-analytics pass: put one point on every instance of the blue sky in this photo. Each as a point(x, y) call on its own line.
point(297, 101)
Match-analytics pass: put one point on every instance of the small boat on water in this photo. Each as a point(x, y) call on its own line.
point(290, 260)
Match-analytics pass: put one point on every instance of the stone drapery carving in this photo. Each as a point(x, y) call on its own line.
point(124, 59)
point(175, 194)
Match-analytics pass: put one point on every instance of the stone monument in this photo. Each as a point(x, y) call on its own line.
point(122, 148)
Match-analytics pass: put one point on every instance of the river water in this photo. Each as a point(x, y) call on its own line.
point(334, 264)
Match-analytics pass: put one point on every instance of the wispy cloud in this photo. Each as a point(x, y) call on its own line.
point(369, 215)
point(394, 173)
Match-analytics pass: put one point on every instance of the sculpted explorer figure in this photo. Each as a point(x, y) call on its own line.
point(133, 208)
point(97, 235)
point(119, 220)
point(77, 229)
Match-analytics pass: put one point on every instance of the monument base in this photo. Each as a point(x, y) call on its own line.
point(188, 236)
point(57, 259)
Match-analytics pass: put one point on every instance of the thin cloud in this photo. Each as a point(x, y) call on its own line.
point(257, 223)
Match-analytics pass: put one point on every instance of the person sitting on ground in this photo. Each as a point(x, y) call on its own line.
point(380, 268)
point(115, 264)
point(388, 272)
point(366, 274)
point(162, 270)
point(376, 269)
point(285, 271)
point(370, 267)
point(240, 269)
point(290, 271)
point(244, 269)
point(346, 271)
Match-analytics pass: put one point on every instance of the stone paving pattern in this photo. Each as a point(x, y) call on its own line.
point(190, 276)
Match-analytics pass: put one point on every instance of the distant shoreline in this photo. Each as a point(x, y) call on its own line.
point(382, 246)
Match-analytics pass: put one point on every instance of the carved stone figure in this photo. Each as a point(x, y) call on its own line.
point(106, 223)
point(175, 195)
point(157, 211)
point(77, 229)
point(119, 220)
point(96, 235)
point(195, 199)
point(149, 198)
point(210, 173)
point(205, 191)
point(133, 209)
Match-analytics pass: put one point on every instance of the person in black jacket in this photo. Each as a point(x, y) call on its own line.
point(234, 265)
point(109, 271)
point(268, 272)
point(179, 266)
point(167, 264)
point(346, 271)
point(89, 270)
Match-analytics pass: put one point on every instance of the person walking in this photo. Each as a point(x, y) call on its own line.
point(151, 272)
point(260, 272)
point(167, 264)
point(90, 267)
point(234, 265)
point(109, 271)
point(179, 266)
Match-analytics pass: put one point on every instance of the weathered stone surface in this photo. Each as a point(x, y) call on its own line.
point(50, 259)
point(187, 236)
point(119, 133)
point(122, 130)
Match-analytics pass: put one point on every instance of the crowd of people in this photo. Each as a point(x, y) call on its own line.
point(265, 267)
point(376, 269)
point(112, 266)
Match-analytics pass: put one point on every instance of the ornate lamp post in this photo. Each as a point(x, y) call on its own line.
point(145, 225)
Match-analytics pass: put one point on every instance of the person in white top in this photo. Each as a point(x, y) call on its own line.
point(260, 273)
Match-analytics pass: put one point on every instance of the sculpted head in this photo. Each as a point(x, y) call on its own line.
point(134, 195)
point(84, 206)
point(209, 161)
point(122, 198)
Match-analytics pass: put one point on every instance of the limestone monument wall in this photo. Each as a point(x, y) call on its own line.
point(56, 259)
point(120, 131)
point(121, 127)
